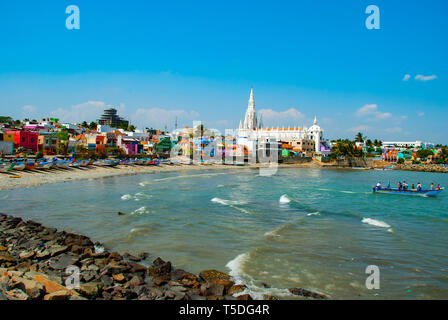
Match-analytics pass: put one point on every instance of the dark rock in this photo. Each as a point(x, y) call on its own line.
point(115, 256)
point(158, 261)
point(269, 297)
point(236, 289)
point(265, 285)
point(108, 281)
point(63, 261)
point(212, 289)
point(162, 279)
point(244, 297)
point(138, 268)
point(306, 293)
point(210, 275)
point(143, 255)
point(121, 213)
point(135, 281)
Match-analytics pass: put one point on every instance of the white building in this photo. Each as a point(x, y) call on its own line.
point(252, 130)
point(407, 144)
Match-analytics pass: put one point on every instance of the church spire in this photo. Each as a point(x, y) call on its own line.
point(315, 120)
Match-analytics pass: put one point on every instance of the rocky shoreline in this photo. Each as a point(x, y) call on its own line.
point(421, 168)
point(34, 260)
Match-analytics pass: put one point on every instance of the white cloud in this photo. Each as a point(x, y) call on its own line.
point(361, 128)
point(421, 114)
point(371, 110)
point(287, 117)
point(28, 109)
point(423, 78)
point(406, 77)
point(158, 117)
point(394, 130)
point(87, 111)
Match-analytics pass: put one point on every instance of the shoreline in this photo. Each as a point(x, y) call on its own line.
point(34, 261)
point(33, 178)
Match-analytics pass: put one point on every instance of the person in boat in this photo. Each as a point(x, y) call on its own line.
point(378, 186)
point(388, 185)
point(438, 187)
point(432, 186)
point(419, 186)
point(413, 187)
point(405, 186)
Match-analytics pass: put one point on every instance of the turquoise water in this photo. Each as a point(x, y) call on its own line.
point(323, 239)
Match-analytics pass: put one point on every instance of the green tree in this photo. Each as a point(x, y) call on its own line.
point(424, 153)
point(93, 125)
point(359, 137)
point(62, 147)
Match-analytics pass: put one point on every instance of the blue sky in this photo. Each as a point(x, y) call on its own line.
point(196, 60)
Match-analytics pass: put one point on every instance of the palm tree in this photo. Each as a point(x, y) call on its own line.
point(359, 137)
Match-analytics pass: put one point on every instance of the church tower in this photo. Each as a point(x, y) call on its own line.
point(250, 120)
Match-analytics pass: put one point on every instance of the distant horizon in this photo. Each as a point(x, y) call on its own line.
point(155, 62)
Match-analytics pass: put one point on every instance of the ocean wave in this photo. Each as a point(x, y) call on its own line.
point(284, 199)
point(227, 202)
point(236, 267)
point(376, 223)
point(232, 204)
point(313, 214)
point(126, 197)
point(140, 211)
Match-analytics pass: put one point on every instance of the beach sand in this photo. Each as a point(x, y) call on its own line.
point(32, 178)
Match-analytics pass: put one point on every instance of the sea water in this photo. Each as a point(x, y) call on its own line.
point(316, 229)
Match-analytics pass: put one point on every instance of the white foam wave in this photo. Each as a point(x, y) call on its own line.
point(126, 197)
point(140, 211)
point(98, 249)
point(376, 223)
point(313, 214)
point(284, 199)
point(232, 204)
point(227, 202)
point(240, 277)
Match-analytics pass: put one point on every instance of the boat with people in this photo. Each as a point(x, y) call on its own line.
point(408, 192)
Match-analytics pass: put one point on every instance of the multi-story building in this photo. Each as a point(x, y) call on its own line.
point(110, 118)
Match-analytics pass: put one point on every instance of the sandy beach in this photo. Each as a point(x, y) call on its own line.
point(32, 178)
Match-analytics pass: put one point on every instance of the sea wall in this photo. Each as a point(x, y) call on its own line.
point(35, 260)
point(421, 167)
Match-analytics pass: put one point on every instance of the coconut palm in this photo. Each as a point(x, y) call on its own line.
point(359, 137)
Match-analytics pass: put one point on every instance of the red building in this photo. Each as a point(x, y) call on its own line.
point(100, 142)
point(25, 139)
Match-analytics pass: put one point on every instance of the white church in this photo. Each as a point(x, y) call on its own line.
point(251, 132)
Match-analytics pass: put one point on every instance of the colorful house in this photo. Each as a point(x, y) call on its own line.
point(100, 142)
point(47, 143)
point(23, 139)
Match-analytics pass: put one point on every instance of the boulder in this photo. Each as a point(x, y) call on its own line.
point(236, 289)
point(59, 295)
point(26, 255)
point(210, 275)
point(118, 277)
point(306, 293)
point(90, 289)
point(57, 249)
point(51, 286)
point(6, 257)
point(135, 281)
point(16, 294)
point(63, 261)
point(32, 288)
point(244, 297)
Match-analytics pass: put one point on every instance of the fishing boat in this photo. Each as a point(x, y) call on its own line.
point(422, 193)
point(6, 166)
point(19, 166)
